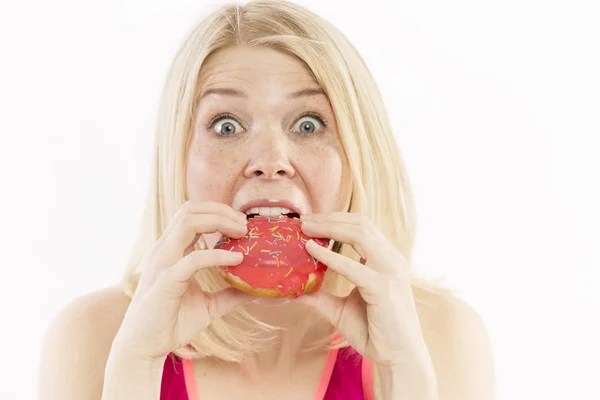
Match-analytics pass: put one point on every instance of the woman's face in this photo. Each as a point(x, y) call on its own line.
point(265, 135)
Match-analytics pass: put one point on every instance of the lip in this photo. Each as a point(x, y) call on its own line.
point(270, 203)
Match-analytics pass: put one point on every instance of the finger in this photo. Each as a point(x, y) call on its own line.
point(204, 207)
point(210, 207)
point(226, 300)
point(191, 226)
point(355, 235)
point(187, 267)
point(358, 274)
point(344, 217)
point(347, 218)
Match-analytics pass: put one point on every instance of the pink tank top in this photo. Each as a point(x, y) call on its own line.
point(346, 376)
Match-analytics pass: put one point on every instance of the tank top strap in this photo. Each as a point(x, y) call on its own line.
point(351, 377)
point(172, 386)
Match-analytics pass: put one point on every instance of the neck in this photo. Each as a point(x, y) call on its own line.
point(300, 327)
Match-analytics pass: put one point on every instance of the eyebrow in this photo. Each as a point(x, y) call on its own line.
point(238, 93)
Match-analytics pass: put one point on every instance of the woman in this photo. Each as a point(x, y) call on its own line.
point(267, 105)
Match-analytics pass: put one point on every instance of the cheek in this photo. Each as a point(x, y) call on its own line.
point(208, 178)
point(326, 177)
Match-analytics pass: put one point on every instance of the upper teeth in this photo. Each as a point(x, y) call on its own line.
point(268, 211)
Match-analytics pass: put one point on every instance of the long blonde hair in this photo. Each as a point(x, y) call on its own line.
point(381, 189)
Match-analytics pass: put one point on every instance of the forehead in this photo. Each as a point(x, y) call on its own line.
point(257, 67)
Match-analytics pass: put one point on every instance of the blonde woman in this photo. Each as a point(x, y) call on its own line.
point(267, 105)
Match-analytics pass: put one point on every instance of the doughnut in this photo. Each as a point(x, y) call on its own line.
point(276, 263)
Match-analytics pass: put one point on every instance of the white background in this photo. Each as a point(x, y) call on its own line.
point(494, 104)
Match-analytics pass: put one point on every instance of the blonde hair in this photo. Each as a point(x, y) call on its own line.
point(380, 186)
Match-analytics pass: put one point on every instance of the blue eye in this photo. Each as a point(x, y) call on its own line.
point(310, 124)
point(225, 125)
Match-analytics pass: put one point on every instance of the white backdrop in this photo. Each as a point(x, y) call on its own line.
point(494, 104)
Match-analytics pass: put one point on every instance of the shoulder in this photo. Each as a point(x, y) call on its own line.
point(98, 313)
point(459, 346)
point(444, 310)
point(77, 343)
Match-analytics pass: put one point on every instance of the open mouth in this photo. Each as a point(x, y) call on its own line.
point(271, 212)
point(289, 215)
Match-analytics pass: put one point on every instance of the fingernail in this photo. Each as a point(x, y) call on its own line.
point(242, 216)
point(236, 255)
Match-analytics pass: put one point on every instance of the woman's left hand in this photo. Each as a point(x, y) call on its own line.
point(379, 318)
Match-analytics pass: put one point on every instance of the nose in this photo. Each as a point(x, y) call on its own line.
point(269, 159)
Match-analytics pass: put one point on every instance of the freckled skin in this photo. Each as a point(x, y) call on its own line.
point(267, 155)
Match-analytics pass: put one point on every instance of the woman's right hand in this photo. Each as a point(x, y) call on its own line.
point(167, 290)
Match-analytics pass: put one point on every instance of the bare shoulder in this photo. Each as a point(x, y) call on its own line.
point(77, 344)
point(459, 346)
point(444, 310)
